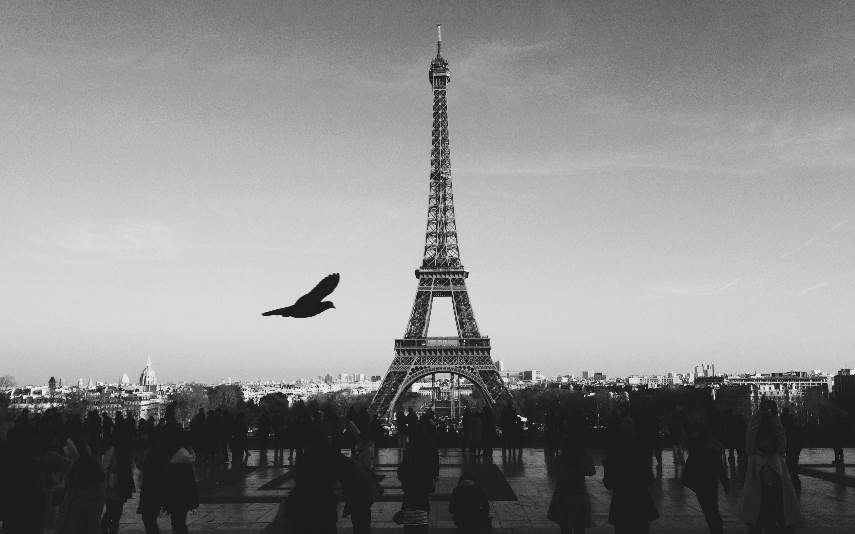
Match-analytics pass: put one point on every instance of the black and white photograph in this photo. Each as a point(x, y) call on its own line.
point(472, 267)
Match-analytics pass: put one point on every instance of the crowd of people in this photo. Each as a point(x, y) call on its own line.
point(766, 451)
point(70, 474)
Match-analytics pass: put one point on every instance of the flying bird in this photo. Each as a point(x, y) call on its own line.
point(312, 303)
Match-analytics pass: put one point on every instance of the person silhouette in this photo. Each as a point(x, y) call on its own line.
point(116, 463)
point(768, 497)
point(795, 434)
point(180, 491)
point(704, 469)
point(469, 506)
point(570, 506)
point(488, 433)
point(839, 433)
point(677, 431)
point(401, 431)
point(360, 489)
point(416, 474)
point(85, 491)
point(627, 474)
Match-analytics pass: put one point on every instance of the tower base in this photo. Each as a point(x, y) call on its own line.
point(419, 357)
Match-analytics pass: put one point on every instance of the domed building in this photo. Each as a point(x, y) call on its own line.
point(148, 380)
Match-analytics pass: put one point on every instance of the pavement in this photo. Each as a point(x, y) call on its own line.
point(246, 499)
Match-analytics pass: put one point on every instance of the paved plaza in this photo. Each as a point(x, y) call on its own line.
point(246, 500)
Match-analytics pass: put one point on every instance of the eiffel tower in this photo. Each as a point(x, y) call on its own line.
point(440, 275)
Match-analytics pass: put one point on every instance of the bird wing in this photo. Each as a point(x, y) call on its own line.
point(324, 288)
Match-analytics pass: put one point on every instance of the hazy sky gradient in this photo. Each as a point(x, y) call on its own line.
point(640, 186)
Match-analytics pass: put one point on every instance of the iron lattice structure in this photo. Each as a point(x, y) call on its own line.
point(440, 275)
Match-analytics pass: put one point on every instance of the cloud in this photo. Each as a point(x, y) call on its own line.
point(813, 239)
point(113, 239)
point(809, 289)
point(701, 289)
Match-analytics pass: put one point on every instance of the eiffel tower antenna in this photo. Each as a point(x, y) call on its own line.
point(440, 275)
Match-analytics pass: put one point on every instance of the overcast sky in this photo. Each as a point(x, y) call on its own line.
point(640, 187)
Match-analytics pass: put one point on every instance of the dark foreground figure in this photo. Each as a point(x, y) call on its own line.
point(769, 499)
point(469, 506)
point(628, 475)
point(704, 470)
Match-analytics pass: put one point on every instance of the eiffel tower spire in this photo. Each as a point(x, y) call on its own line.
point(441, 248)
point(441, 275)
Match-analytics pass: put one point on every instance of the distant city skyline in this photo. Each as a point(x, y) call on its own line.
point(639, 186)
point(148, 375)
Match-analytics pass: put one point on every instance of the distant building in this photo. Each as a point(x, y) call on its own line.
point(705, 370)
point(600, 377)
point(844, 383)
point(532, 375)
point(585, 375)
point(798, 389)
point(376, 378)
point(148, 379)
point(500, 366)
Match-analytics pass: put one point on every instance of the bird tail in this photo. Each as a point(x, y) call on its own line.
point(281, 311)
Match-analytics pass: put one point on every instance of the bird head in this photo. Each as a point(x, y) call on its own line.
point(327, 305)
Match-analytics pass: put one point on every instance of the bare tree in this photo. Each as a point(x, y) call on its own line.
point(188, 401)
point(7, 381)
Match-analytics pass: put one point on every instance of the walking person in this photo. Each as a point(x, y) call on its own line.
point(117, 467)
point(401, 431)
point(488, 433)
point(627, 474)
point(360, 490)
point(704, 469)
point(417, 481)
point(795, 434)
point(677, 431)
point(197, 434)
point(476, 434)
point(469, 506)
point(570, 506)
point(152, 485)
point(278, 425)
point(80, 512)
point(768, 498)
point(238, 441)
point(838, 438)
point(181, 493)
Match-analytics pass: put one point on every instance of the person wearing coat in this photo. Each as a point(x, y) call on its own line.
point(311, 508)
point(116, 464)
point(416, 474)
point(469, 506)
point(360, 489)
point(704, 469)
point(80, 511)
point(571, 506)
point(180, 491)
point(153, 485)
point(627, 474)
point(768, 496)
